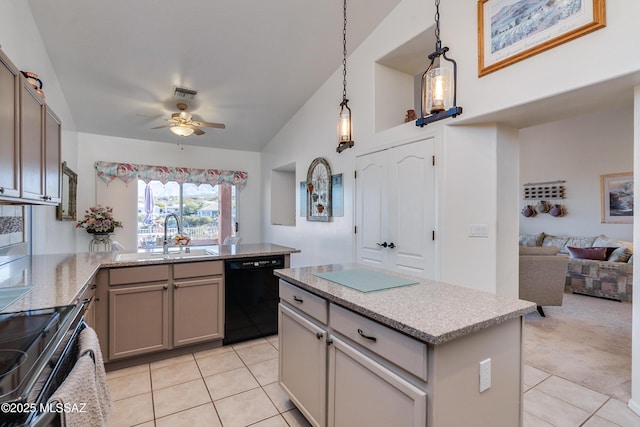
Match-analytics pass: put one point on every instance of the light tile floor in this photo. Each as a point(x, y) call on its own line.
point(237, 386)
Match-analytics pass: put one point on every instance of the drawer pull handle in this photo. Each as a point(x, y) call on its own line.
point(296, 299)
point(370, 338)
point(319, 335)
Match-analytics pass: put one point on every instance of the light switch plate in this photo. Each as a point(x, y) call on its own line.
point(478, 230)
point(485, 375)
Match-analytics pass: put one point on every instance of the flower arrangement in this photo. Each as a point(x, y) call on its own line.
point(182, 240)
point(99, 219)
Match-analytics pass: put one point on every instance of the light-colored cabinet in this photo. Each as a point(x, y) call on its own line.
point(52, 155)
point(302, 364)
point(138, 320)
point(138, 310)
point(160, 307)
point(198, 302)
point(365, 393)
point(9, 129)
point(31, 142)
point(375, 375)
point(337, 383)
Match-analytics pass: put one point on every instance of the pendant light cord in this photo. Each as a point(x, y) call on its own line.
point(344, 55)
point(437, 31)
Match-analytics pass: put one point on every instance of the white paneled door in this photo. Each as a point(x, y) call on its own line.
point(395, 208)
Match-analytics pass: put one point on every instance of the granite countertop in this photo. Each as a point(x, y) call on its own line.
point(42, 281)
point(49, 280)
point(431, 311)
point(222, 252)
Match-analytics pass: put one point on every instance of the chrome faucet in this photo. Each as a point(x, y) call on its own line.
point(165, 242)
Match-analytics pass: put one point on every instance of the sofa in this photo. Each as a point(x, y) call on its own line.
point(597, 266)
point(542, 276)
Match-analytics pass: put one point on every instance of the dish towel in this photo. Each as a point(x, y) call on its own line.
point(89, 344)
point(84, 395)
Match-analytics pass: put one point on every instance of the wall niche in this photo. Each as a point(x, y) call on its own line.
point(397, 80)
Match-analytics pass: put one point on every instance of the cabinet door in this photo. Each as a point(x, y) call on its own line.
point(9, 129)
point(198, 311)
point(52, 156)
point(138, 320)
point(31, 142)
point(364, 393)
point(302, 364)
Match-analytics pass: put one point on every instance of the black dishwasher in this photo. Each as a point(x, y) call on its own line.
point(251, 298)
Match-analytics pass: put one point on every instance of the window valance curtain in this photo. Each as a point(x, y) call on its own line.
point(108, 171)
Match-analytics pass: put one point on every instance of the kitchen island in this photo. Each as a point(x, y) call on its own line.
point(424, 353)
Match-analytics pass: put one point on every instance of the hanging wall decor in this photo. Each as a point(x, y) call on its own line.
point(616, 198)
point(319, 204)
point(512, 30)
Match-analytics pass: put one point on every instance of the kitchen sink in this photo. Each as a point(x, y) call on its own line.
point(173, 254)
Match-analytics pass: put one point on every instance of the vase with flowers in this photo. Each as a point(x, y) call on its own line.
point(99, 220)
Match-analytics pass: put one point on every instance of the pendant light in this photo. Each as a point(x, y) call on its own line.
point(438, 87)
point(344, 118)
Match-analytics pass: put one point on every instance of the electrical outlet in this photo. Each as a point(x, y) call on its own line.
point(485, 375)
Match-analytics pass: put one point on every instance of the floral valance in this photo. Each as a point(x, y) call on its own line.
point(126, 172)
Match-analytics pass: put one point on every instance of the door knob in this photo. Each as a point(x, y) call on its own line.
point(383, 244)
point(391, 245)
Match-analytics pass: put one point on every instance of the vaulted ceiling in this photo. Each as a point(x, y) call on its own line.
point(253, 62)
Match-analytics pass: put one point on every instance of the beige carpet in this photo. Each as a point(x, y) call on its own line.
point(587, 340)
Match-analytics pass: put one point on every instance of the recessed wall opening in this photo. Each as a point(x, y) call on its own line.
point(397, 80)
point(283, 195)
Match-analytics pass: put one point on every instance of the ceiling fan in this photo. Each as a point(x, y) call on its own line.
point(182, 124)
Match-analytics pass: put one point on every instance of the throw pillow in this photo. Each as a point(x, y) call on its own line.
point(580, 242)
point(622, 254)
point(531, 239)
point(559, 241)
point(598, 254)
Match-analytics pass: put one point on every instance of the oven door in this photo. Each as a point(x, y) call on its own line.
point(48, 358)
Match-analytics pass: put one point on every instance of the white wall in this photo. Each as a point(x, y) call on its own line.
point(578, 150)
point(21, 42)
point(123, 198)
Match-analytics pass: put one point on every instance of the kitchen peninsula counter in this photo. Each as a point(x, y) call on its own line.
point(60, 279)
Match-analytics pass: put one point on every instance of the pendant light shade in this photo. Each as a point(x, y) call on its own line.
point(344, 118)
point(438, 88)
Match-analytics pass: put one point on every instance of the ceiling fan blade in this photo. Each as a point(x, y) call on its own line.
point(163, 126)
point(209, 125)
point(196, 130)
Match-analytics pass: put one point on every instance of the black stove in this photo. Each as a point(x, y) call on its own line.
point(27, 341)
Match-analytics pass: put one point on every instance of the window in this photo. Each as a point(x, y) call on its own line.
point(208, 214)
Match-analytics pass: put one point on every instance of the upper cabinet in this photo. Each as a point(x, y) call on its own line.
point(52, 155)
point(30, 141)
point(9, 129)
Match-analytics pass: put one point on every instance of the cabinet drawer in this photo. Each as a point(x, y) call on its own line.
point(304, 301)
point(401, 350)
point(123, 276)
point(198, 269)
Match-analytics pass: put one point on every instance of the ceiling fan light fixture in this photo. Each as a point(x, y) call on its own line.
point(181, 130)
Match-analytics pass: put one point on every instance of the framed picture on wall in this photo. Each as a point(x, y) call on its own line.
point(512, 30)
point(616, 198)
